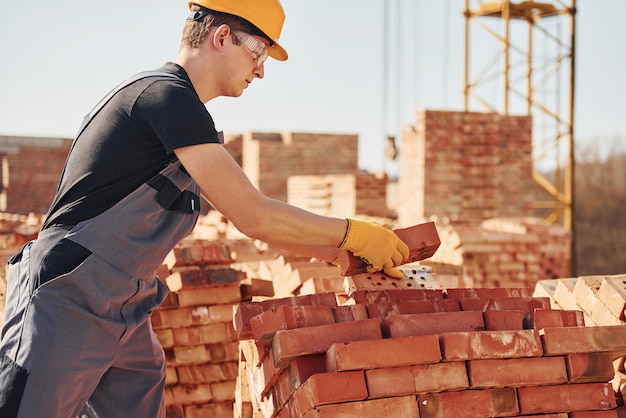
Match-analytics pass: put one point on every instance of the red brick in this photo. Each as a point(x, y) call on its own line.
point(503, 320)
point(566, 398)
point(223, 352)
point(526, 305)
point(549, 318)
point(281, 390)
point(422, 240)
point(209, 296)
point(530, 371)
point(490, 344)
point(583, 339)
point(422, 378)
point(186, 253)
point(350, 313)
point(488, 293)
point(173, 411)
point(298, 371)
point(469, 403)
point(190, 394)
point(266, 324)
point(247, 310)
point(191, 355)
point(440, 377)
point(221, 313)
point(207, 373)
point(439, 305)
point(171, 376)
point(241, 318)
point(402, 407)
point(204, 334)
point(595, 414)
point(384, 310)
point(214, 409)
point(389, 352)
point(288, 344)
point(252, 287)
point(432, 323)
point(589, 367)
point(223, 391)
point(165, 337)
point(216, 253)
point(192, 277)
point(329, 388)
point(181, 317)
point(391, 296)
point(390, 382)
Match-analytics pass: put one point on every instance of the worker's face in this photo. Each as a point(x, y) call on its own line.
point(246, 58)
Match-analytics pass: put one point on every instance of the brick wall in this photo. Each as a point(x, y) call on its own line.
point(270, 158)
point(341, 195)
point(31, 170)
point(466, 165)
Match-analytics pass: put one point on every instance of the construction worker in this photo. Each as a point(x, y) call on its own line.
point(77, 338)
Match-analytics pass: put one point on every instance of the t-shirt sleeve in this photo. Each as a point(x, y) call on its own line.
point(176, 115)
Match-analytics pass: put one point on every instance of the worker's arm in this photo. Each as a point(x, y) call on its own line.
point(228, 189)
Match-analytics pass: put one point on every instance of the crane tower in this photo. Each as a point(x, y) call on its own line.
point(530, 71)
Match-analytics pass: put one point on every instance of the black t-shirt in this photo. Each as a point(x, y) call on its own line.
point(130, 140)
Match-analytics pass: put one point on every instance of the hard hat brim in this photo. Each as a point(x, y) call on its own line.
point(277, 52)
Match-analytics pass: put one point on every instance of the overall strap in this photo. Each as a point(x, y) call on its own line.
point(89, 117)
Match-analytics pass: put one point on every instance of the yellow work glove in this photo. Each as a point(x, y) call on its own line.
point(378, 246)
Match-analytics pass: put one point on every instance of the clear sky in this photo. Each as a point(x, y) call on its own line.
point(58, 58)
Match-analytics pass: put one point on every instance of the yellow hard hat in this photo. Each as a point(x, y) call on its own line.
point(267, 15)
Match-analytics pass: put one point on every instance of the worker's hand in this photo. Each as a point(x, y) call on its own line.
point(378, 246)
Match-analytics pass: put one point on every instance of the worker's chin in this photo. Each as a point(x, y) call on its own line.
point(234, 93)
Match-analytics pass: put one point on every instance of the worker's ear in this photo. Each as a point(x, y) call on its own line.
point(220, 34)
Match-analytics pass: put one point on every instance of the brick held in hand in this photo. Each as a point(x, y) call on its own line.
point(422, 239)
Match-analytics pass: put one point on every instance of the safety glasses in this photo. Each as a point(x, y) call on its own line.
point(256, 48)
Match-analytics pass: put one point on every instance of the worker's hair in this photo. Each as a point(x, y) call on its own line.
point(194, 31)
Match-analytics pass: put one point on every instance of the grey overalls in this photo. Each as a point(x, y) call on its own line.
point(78, 309)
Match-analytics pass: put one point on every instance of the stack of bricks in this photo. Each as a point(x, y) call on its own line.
point(465, 165)
point(30, 174)
point(207, 279)
point(507, 252)
point(344, 195)
point(194, 326)
point(428, 353)
point(601, 299)
point(270, 158)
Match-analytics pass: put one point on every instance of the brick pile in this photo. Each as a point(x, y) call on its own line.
point(465, 165)
point(194, 326)
point(344, 195)
point(270, 158)
point(602, 301)
point(424, 353)
point(506, 252)
point(207, 279)
point(305, 341)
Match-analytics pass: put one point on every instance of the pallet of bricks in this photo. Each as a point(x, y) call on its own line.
point(194, 326)
point(424, 353)
point(207, 279)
